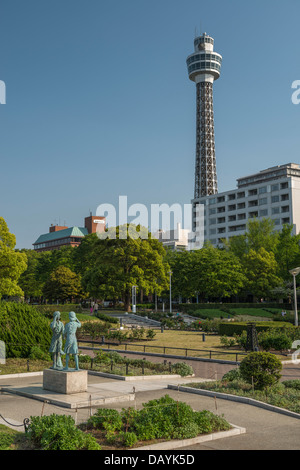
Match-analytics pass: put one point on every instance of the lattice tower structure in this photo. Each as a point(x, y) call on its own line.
point(204, 67)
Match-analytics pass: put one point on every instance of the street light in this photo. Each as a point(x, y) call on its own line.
point(133, 299)
point(170, 273)
point(294, 273)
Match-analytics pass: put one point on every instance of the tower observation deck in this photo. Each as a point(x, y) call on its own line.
point(204, 67)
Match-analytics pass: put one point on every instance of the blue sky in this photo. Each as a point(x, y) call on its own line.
point(99, 103)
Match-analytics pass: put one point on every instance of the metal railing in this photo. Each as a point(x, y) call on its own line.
point(164, 350)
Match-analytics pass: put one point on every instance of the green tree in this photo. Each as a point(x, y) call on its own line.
point(260, 269)
point(123, 258)
point(29, 281)
point(287, 252)
point(12, 263)
point(62, 285)
point(182, 266)
point(216, 273)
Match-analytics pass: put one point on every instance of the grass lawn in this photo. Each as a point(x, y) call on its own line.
point(172, 339)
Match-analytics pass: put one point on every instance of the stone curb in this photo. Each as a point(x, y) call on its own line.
point(169, 445)
point(21, 374)
point(136, 377)
point(237, 398)
point(102, 374)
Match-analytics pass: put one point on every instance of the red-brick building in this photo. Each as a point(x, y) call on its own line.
point(59, 236)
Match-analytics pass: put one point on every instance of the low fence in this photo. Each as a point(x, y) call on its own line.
point(165, 350)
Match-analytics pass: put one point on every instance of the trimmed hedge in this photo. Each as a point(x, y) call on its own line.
point(22, 327)
point(191, 307)
point(231, 328)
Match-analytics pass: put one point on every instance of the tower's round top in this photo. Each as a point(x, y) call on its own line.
point(204, 42)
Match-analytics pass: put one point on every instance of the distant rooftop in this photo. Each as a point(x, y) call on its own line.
point(275, 172)
point(66, 233)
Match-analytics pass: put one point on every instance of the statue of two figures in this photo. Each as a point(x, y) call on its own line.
point(68, 332)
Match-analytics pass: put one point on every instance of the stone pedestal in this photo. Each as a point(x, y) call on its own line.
point(65, 381)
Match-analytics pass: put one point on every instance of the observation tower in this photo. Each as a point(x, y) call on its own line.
point(204, 67)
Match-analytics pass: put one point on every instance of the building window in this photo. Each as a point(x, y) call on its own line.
point(231, 218)
point(252, 203)
point(240, 195)
point(262, 190)
point(263, 200)
point(212, 211)
point(274, 199)
point(231, 197)
point(221, 220)
point(284, 185)
point(286, 220)
point(241, 205)
point(274, 187)
point(263, 213)
point(232, 207)
point(284, 197)
point(252, 192)
point(275, 210)
point(221, 199)
point(285, 209)
point(241, 216)
point(221, 209)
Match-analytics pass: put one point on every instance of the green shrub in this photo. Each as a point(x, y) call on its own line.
point(104, 417)
point(261, 368)
point(6, 440)
point(37, 353)
point(59, 432)
point(23, 327)
point(277, 339)
point(150, 334)
point(231, 328)
point(182, 369)
point(128, 439)
point(234, 374)
point(294, 384)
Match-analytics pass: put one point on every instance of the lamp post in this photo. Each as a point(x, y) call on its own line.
point(133, 299)
point(170, 274)
point(294, 273)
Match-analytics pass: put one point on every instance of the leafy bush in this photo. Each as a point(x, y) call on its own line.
point(107, 318)
point(128, 439)
point(6, 440)
point(261, 368)
point(105, 418)
point(234, 374)
point(39, 354)
point(277, 339)
point(182, 369)
point(231, 328)
point(22, 327)
point(150, 334)
point(163, 418)
point(59, 432)
point(294, 384)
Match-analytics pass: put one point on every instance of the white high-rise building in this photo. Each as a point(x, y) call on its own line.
point(273, 193)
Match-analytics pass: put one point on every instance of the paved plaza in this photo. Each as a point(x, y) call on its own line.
point(265, 430)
